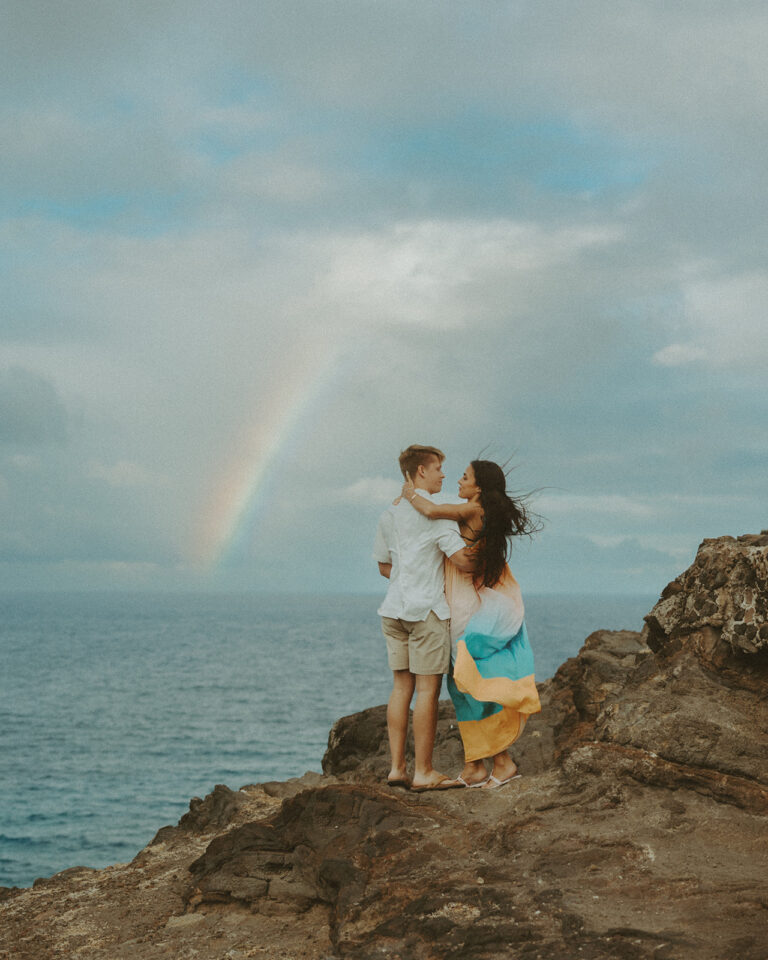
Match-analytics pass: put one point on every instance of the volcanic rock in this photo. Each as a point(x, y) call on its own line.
point(638, 830)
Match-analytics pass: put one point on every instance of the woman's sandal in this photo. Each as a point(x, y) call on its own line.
point(495, 783)
point(471, 786)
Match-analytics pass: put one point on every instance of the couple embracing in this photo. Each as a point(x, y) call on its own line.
point(453, 606)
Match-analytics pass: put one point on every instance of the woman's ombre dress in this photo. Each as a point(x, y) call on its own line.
point(492, 682)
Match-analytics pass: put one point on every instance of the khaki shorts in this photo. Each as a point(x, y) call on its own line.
point(421, 646)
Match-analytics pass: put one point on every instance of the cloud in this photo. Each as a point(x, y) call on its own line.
point(678, 354)
point(570, 563)
point(124, 473)
point(31, 411)
point(378, 490)
point(726, 317)
point(539, 225)
point(612, 503)
point(420, 272)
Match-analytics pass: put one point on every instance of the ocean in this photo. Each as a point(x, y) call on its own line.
point(116, 709)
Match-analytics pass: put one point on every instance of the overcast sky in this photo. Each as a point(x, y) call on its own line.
point(251, 250)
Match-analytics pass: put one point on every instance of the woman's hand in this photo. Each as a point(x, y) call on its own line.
point(408, 491)
point(419, 503)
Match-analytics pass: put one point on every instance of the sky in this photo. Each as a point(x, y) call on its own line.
point(249, 251)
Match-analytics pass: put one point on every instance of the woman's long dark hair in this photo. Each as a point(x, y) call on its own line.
point(505, 517)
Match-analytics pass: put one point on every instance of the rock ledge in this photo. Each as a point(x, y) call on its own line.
point(637, 832)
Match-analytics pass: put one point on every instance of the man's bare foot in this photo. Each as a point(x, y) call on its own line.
point(434, 781)
point(398, 778)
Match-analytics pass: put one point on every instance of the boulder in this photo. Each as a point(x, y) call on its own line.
point(720, 603)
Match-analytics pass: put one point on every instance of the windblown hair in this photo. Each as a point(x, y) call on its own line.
point(505, 517)
point(414, 456)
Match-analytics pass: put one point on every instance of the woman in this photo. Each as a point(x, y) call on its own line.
point(492, 682)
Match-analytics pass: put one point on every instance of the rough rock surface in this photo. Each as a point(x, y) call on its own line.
point(638, 830)
point(723, 596)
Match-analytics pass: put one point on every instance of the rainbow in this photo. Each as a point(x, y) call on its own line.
point(237, 502)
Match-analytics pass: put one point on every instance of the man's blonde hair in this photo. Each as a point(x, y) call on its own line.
point(414, 456)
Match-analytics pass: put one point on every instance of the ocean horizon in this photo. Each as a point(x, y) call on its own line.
point(117, 708)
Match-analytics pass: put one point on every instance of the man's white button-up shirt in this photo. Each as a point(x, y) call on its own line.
point(415, 546)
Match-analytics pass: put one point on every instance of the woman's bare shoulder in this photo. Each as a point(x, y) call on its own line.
point(474, 514)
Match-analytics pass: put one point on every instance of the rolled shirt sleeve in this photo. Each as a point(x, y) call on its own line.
point(448, 538)
point(381, 551)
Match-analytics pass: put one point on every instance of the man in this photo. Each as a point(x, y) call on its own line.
point(415, 617)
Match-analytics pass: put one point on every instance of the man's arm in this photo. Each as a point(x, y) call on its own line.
point(463, 560)
point(381, 552)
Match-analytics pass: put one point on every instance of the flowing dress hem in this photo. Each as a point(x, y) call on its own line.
point(485, 738)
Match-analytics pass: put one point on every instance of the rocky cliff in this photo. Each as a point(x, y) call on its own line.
point(638, 830)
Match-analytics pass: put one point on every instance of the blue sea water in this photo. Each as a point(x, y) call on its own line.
point(116, 709)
